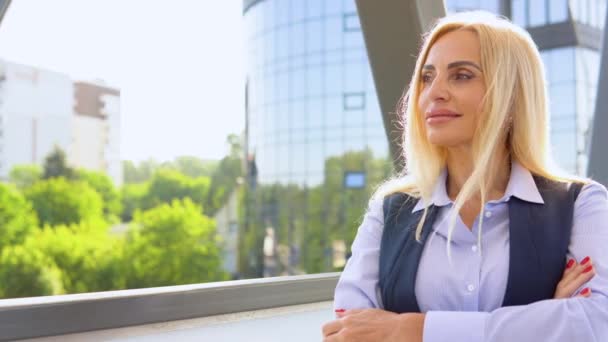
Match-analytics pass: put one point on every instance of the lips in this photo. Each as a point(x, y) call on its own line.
point(440, 116)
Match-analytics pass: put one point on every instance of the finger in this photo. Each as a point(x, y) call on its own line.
point(350, 312)
point(585, 293)
point(580, 277)
point(331, 328)
point(569, 266)
point(577, 269)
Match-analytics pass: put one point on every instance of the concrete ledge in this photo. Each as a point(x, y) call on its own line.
point(58, 315)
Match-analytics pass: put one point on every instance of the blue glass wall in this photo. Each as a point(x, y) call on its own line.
point(311, 93)
point(312, 110)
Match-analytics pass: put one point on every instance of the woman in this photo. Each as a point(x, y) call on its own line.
point(482, 240)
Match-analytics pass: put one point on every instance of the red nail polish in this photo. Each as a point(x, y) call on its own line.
point(588, 269)
point(570, 263)
point(584, 261)
point(585, 291)
point(339, 310)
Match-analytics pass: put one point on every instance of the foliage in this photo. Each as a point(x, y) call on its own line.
point(17, 218)
point(188, 165)
point(132, 199)
point(55, 165)
point(172, 244)
point(58, 201)
point(102, 183)
point(225, 177)
point(168, 185)
point(27, 272)
point(309, 218)
point(24, 176)
point(89, 258)
point(133, 174)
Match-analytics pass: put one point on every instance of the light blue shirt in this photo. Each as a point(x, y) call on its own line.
point(462, 302)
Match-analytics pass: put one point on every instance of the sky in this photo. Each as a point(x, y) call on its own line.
point(179, 65)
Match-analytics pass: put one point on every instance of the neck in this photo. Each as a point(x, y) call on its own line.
point(460, 166)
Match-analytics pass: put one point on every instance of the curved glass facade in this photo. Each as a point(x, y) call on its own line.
point(310, 90)
point(315, 131)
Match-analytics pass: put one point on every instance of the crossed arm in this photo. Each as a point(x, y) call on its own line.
point(565, 318)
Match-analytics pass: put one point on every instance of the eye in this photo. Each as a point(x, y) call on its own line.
point(462, 76)
point(426, 78)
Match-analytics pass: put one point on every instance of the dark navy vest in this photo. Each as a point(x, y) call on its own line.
point(539, 239)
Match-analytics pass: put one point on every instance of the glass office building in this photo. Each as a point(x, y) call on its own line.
point(311, 103)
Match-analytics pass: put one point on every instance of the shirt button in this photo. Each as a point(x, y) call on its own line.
point(474, 248)
point(488, 214)
point(471, 287)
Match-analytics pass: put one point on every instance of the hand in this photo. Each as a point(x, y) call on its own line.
point(575, 276)
point(374, 325)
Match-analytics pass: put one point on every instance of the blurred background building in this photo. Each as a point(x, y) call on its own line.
point(41, 109)
point(313, 119)
point(96, 129)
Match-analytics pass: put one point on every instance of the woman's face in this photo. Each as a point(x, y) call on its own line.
point(452, 89)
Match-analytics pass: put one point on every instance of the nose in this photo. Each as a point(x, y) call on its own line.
point(438, 90)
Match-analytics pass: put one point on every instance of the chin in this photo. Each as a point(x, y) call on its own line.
point(445, 140)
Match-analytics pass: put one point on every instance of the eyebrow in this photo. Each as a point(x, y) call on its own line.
point(453, 65)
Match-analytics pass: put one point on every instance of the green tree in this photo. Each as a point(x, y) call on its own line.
point(102, 183)
point(55, 165)
point(58, 201)
point(193, 167)
point(138, 174)
point(172, 244)
point(168, 185)
point(24, 176)
point(89, 258)
point(225, 177)
point(26, 272)
point(17, 218)
point(132, 199)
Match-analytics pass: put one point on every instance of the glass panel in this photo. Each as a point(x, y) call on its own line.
point(333, 79)
point(282, 12)
point(314, 36)
point(333, 115)
point(298, 39)
point(299, 157)
point(316, 155)
point(298, 81)
point(518, 12)
point(538, 13)
point(562, 65)
point(593, 14)
point(354, 77)
point(354, 101)
point(333, 33)
point(333, 7)
point(315, 81)
point(349, 6)
point(297, 111)
point(351, 22)
point(315, 111)
point(562, 101)
point(282, 43)
point(315, 8)
point(298, 10)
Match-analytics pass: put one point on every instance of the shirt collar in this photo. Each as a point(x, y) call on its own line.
point(521, 185)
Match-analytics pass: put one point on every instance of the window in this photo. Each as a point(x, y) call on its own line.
point(354, 179)
point(354, 101)
point(351, 22)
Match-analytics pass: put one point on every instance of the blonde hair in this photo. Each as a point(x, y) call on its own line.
point(515, 114)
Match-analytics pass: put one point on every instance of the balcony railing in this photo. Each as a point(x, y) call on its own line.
point(263, 309)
